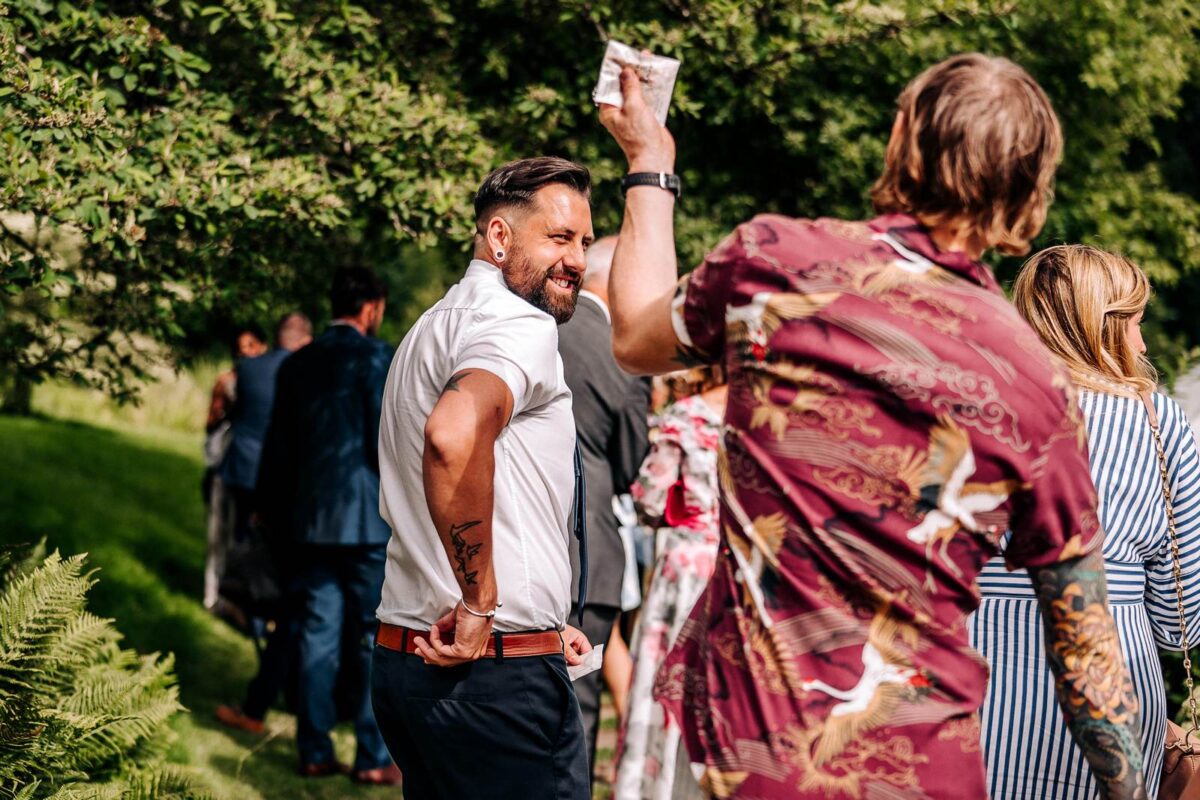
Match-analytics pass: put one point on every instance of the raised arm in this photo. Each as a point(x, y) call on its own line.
point(644, 273)
point(459, 469)
point(1093, 686)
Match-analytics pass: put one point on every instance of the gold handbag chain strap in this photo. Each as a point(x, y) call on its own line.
point(1165, 475)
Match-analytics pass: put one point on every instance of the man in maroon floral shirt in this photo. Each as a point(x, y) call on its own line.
point(890, 417)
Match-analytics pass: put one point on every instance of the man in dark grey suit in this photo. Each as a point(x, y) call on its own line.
point(320, 493)
point(610, 408)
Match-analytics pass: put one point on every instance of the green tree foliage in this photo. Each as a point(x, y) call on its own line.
point(170, 160)
point(79, 716)
point(164, 156)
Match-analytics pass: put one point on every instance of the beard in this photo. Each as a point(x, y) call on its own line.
point(530, 283)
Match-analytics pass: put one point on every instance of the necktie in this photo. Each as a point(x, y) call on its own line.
point(580, 526)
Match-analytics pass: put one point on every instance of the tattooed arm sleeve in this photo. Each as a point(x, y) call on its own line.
point(458, 467)
point(1093, 686)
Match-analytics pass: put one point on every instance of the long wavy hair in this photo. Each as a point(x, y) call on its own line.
point(976, 141)
point(1079, 300)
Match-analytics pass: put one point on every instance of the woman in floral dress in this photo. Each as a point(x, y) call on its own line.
point(676, 489)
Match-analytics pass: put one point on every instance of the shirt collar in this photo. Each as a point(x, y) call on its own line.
point(480, 269)
point(595, 298)
point(913, 236)
point(341, 324)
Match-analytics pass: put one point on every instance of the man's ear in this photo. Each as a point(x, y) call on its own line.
point(499, 236)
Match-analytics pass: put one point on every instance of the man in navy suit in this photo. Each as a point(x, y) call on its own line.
point(251, 413)
point(254, 585)
point(320, 497)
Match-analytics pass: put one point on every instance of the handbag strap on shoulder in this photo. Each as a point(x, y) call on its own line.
point(1177, 571)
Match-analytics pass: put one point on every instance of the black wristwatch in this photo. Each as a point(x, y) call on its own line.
point(662, 180)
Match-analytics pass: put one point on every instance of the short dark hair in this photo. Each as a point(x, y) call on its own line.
point(252, 328)
point(516, 183)
point(352, 288)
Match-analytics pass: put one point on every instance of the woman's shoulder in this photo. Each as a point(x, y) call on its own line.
point(1094, 402)
point(1106, 411)
point(1174, 419)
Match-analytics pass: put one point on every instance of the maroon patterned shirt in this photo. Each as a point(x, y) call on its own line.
point(890, 417)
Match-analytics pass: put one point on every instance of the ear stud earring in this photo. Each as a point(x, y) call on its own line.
point(499, 255)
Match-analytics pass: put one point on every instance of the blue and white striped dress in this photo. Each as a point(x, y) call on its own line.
point(1029, 752)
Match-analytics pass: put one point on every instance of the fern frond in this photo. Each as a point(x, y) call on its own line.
point(80, 718)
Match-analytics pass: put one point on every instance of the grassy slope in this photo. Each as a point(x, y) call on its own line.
point(131, 500)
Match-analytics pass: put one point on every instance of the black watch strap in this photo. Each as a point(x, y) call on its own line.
point(662, 180)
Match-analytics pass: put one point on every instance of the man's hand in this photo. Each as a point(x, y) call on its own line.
point(577, 645)
point(456, 638)
point(642, 283)
point(647, 145)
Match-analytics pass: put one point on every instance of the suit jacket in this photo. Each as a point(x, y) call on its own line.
point(610, 409)
point(250, 417)
point(319, 481)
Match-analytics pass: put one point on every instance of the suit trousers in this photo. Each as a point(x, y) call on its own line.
point(340, 585)
point(275, 664)
point(505, 729)
point(597, 626)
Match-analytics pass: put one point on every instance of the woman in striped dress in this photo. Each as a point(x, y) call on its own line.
point(1087, 305)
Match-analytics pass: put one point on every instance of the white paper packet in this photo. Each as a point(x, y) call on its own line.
point(657, 74)
point(592, 661)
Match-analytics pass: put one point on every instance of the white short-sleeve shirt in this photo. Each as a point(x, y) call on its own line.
point(481, 324)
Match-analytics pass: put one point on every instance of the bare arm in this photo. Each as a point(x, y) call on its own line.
point(458, 467)
point(644, 271)
point(1093, 686)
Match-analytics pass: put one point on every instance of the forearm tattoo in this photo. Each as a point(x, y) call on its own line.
point(464, 551)
point(1093, 686)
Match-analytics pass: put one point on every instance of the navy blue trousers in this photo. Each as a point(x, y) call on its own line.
point(340, 586)
point(505, 730)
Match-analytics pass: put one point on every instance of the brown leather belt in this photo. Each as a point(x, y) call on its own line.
point(500, 645)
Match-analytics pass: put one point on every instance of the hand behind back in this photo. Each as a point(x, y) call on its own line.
point(456, 638)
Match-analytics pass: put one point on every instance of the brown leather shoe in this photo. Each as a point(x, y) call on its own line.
point(233, 717)
point(323, 770)
point(384, 776)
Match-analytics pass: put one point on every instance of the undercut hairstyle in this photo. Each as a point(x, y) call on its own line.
point(978, 142)
point(353, 287)
point(1079, 301)
point(514, 185)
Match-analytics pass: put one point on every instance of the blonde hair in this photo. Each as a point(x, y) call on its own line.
point(1079, 300)
point(976, 141)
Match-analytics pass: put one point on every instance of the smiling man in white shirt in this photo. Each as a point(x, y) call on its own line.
point(477, 481)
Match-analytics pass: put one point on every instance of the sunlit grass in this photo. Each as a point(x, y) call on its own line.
point(171, 408)
point(122, 483)
point(132, 502)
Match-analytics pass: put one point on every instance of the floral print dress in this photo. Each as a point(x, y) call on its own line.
point(676, 488)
